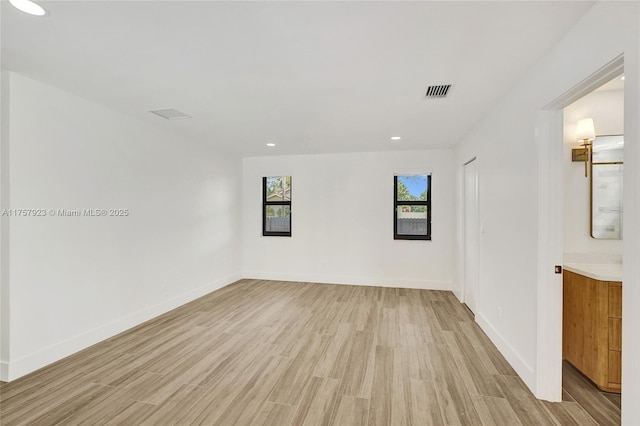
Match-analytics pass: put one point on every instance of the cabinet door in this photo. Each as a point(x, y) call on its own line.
point(615, 334)
point(585, 339)
point(615, 300)
point(615, 369)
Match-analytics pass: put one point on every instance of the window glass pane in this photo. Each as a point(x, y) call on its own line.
point(412, 188)
point(278, 188)
point(412, 220)
point(286, 183)
point(278, 219)
point(274, 188)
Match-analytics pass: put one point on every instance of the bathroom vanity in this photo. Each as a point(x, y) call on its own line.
point(592, 322)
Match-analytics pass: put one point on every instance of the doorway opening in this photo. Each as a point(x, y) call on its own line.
point(593, 151)
point(551, 243)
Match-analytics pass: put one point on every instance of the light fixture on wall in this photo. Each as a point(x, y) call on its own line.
point(585, 134)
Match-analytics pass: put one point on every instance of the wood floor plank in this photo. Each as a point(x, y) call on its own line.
point(453, 396)
point(495, 411)
point(599, 407)
point(274, 414)
point(288, 353)
point(528, 409)
point(389, 329)
point(110, 405)
point(176, 406)
point(318, 402)
point(351, 411)
point(569, 414)
point(401, 407)
point(424, 403)
point(246, 404)
point(381, 395)
point(478, 379)
point(358, 378)
point(333, 361)
point(288, 390)
point(60, 405)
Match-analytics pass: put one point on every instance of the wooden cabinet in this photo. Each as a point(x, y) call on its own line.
point(592, 328)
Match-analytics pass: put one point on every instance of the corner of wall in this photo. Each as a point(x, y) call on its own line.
point(4, 226)
point(26, 364)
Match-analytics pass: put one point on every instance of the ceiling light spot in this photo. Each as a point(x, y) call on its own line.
point(622, 78)
point(395, 138)
point(271, 144)
point(27, 6)
point(170, 114)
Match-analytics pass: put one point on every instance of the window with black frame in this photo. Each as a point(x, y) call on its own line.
point(412, 207)
point(276, 206)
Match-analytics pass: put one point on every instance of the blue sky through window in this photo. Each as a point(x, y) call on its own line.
point(416, 184)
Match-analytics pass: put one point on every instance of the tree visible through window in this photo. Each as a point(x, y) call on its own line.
point(412, 207)
point(276, 206)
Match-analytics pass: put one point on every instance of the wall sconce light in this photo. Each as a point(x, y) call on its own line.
point(585, 133)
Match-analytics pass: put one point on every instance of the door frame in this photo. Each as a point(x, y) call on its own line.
point(550, 140)
point(464, 236)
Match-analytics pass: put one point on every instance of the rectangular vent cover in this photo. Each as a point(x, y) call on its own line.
point(439, 91)
point(170, 114)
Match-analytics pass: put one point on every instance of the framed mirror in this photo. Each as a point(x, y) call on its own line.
point(606, 187)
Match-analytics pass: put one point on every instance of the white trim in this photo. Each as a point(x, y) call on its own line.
point(413, 172)
point(524, 370)
point(549, 138)
point(5, 290)
point(33, 361)
point(548, 383)
point(477, 291)
point(606, 73)
point(631, 245)
point(4, 371)
point(350, 280)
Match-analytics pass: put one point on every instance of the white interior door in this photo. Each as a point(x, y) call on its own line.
point(471, 235)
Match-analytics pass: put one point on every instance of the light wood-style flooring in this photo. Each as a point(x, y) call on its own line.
point(282, 353)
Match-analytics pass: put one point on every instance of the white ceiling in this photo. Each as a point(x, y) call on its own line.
point(313, 77)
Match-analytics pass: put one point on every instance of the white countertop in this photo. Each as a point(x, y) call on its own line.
point(597, 271)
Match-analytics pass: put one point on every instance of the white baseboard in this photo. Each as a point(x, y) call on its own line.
point(524, 370)
point(17, 368)
point(351, 280)
point(4, 371)
point(458, 293)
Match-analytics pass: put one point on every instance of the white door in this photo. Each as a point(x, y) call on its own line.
point(471, 235)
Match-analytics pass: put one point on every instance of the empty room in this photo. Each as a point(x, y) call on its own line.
point(319, 213)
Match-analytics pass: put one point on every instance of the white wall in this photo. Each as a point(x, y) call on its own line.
point(77, 280)
point(342, 221)
point(505, 143)
point(607, 110)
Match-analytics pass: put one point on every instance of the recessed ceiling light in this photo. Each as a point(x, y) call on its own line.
point(271, 144)
point(27, 6)
point(622, 78)
point(395, 138)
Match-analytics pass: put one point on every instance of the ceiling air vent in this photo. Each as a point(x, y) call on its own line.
point(170, 114)
point(439, 91)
